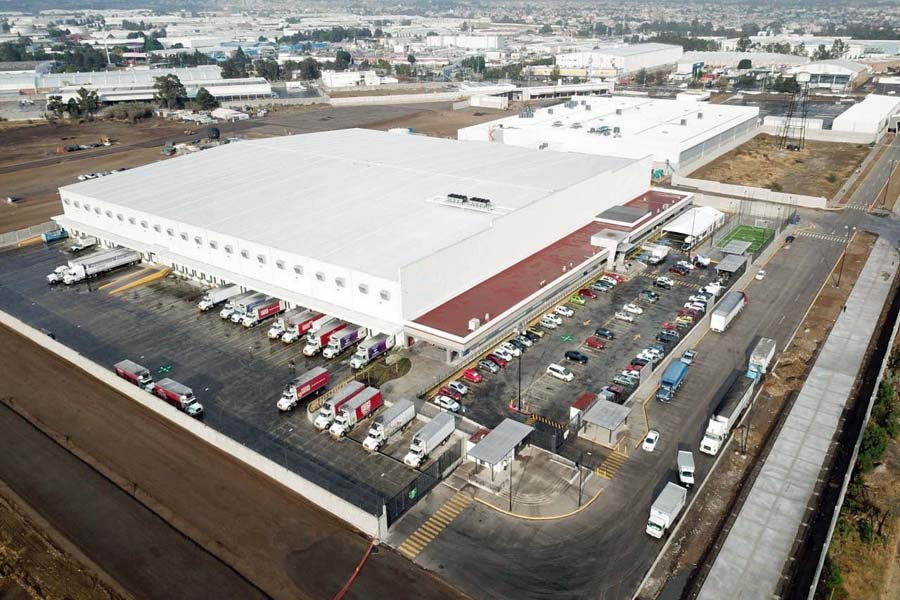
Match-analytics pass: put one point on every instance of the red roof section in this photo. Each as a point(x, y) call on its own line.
point(584, 400)
point(507, 288)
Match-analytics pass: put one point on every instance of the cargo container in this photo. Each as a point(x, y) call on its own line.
point(435, 433)
point(178, 395)
point(359, 407)
point(732, 304)
point(665, 509)
point(671, 380)
point(231, 305)
point(392, 420)
point(330, 408)
point(308, 322)
point(56, 234)
point(318, 340)
point(217, 296)
point(262, 311)
point(94, 266)
point(310, 383)
point(133, 372)
point(343, 339)
point(370, 349)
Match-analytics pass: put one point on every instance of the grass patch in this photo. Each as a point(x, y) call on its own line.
point(757, 236)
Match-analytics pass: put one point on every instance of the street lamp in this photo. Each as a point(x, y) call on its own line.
point(847, 230)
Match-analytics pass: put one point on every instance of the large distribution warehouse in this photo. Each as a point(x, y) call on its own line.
point(376, 228)
point(678, 134)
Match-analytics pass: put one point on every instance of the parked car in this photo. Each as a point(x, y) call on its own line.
point(668, 325)
point(588, 293)
point(447, 391)
point(760, 275)
point(576, 356)
point(610, 280)
point(595, 343)
point(518, 345)
point(701, 298)
point(534, 334)
point(489, 366)
point(633, 309)
point(689, 356)
point(648, 296)
point(662, 337)
point(472, 375)
point(624, 316)
point(497, 360)
point(555, 318)
point(447, 403)
point(678, 270)
point(564, 311)
point(459, 387)
point(510, 349)
point(615, 276)
point(548, 323)
point(638, 362)
point(601, 286)
point(663, 282)
point(604, 333)
point(649, 444)
point(625, 382)
point(576, 299)
point(524, 340)
point(672, 334)
point(560, 372)
point(687, 265)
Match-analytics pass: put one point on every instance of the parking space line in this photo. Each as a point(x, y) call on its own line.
point(436, 523)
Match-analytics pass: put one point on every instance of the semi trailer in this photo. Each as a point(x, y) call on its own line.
point(133, 372)
point(392, 420)
point(311, 383)
point(94, 265)
point(56, 276)
point(330, 408)
point(284, 322)
point(343, 339)
point(370, 349)
point(231, 304)
point(428, 438)
point(319, 339)
point(671, 380)
point(243, 306)
point(732, 304)
point(359, 407)
point(261, 312)
point(305, 323)
point(216, 296)
point(178, 395)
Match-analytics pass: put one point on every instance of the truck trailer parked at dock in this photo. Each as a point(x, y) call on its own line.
point(216, 296)
point(722, 316)
point(370, 349)
point(98, 264)
point(428, 438)
point(392, 420)
point(358, 408)
point(310, 383)
point(343, 339)
point(329, 410)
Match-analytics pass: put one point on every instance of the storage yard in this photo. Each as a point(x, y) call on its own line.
point(820, 169)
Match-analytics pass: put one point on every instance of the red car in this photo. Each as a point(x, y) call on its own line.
point(670, 326)
point(615, 276)
point(445, 391)
point(595, 343)
point(689, 312)
point(678, 270)
point(472, 375)
point(586, 293)
point(496, 360)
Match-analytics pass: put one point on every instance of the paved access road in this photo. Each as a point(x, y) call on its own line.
point(603, 552)
point(281, 542)
point(143, 553)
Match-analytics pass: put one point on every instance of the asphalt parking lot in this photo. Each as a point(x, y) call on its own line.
point(237, 374)
point(550, 397)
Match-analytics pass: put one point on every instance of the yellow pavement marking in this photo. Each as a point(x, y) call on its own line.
point(142, 281)
point(121, 277)
point(609, 467)
point(30, 241)
point(436, 523)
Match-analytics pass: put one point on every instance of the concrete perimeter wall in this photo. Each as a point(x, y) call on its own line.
point(371, 525)
point(750, 193)
point(14, 237)
point(398, 99)
point(828, 135)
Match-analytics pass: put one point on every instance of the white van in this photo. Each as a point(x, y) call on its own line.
point(548, 323)
point(560, 372)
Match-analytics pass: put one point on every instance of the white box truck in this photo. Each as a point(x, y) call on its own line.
point(217, 296)
point(343, 339)
point(284, 322)
point(370, 349)
point(394, 419)
point(428, 438)
point(231, 305)
point(732, 304)
point(686, 467)
point(330, 408)
point(360, 407)
point(665, 509)
point(95, 266)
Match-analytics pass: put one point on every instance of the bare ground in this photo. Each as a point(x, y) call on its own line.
point(703, 523)
point(820, 169)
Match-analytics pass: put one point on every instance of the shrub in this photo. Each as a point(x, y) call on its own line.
point(866, 533)
point(874, 443)
point(775, 186)
point(831, 178)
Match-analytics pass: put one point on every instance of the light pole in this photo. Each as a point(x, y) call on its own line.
point(887, 185)
point(847, 231)
point(512, 458)
point(519, 389)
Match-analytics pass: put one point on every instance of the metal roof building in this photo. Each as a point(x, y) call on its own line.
point(372, 227)
point(678, 135)
point(499, 446)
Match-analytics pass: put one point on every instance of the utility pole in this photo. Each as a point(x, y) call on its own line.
point(580, 478)
point(519, 389)
point(844, 255)
point(510, 479)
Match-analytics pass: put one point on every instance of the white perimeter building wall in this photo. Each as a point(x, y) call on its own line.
point(625, 59)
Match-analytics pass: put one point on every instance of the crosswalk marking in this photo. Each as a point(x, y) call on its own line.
point(823, 236)
point(609, 467)
point(436, 523)
point(678, 282)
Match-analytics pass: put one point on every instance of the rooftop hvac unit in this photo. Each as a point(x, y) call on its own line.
point(587, 107)
point(543, 145)
point(549, 111)
point(617, 130)
point(699, 115)
point(583, 102)
point(474, 324)
point(684, 121)
point(618, 111)
point(482, 201)
point(461, 198)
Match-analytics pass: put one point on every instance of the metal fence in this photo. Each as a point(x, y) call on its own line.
point(14, 237)
point(423, 483)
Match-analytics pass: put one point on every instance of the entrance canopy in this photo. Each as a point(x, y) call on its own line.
point(695, 222)
point(499, 443)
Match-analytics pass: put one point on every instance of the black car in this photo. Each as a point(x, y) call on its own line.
point(531, 336)
point(604, 333)
point(518, 344)
point(789, 239)
point(639, 361)
point(576, 356)
point(669, 335)
point(665, 339)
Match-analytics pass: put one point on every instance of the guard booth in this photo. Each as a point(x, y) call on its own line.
point(497, 449)
point(605, 423)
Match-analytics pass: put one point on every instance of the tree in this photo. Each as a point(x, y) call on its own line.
point(821, 53)
point(268, 69)
point(88, 102)
point(743, 44)
point(72, 108)
point(799, 49)
point(170, 91)
point(744, 64)
point(545, 29)
point(411, 58)
point(641, 78)
point(205, 100)
point(309, 69)
point(838, 48)
point(151, 44)
point(235, 66)
point(342, 60)
point(554, 74)
point(464, 27)
point(55, 106)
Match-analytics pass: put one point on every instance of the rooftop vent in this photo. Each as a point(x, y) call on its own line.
point(457, 198)
point(549, 111)
point(684, 121)
point(618, 111)
point(587, 107)
point(543, 145)
point(480, 201)
point(699, 115)
point(474, 324)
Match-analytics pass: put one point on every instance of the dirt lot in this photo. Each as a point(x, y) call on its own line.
point(705, 521)
point(33, 566)
point(818, 170)
point(284, 544)
point(441, 122)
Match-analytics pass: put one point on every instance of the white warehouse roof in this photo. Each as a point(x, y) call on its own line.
point(365, 200)
point(661, 127)
point(869, 116)
point(832, 67)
